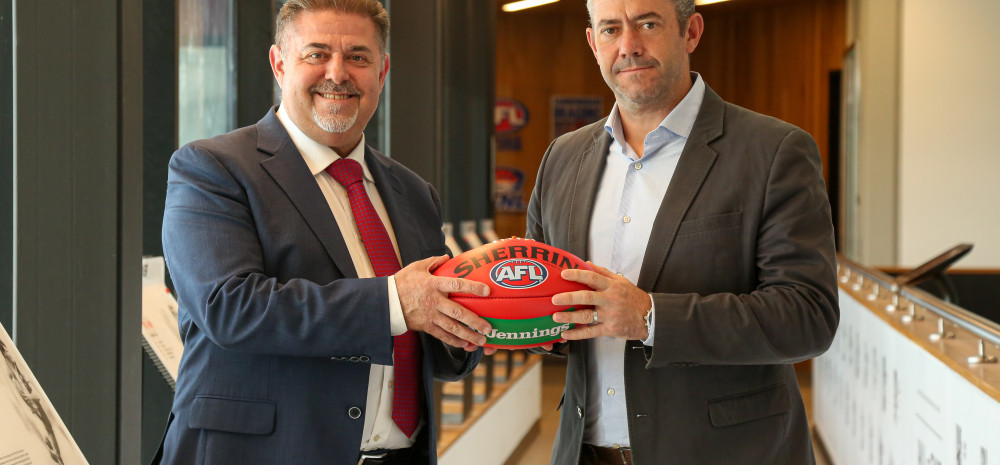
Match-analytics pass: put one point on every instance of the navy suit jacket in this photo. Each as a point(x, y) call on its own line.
point(279, 334)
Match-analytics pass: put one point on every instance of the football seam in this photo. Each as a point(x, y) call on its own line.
point(501, 298)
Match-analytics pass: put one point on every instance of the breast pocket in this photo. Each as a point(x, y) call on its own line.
point(706, 252)
point(708, 224)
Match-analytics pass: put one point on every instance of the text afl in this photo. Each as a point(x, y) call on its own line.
point(467, 266)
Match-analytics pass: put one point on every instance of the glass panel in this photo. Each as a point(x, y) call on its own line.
point(206, 61)
point(7, 207)
point(850, 227)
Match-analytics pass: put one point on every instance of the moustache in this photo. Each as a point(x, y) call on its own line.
point(329, 87)
point(633, 62)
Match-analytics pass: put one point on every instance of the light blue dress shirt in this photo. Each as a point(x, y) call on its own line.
point(628, 198)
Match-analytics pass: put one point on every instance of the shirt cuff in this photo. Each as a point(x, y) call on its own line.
point(652, 322)
point(397, 324)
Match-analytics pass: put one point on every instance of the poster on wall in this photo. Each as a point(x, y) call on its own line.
point(509, 117)
point(508, 194)
point(31, 432)
point(570, 113)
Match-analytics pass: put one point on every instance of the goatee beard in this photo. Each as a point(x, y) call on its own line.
point(334, 121)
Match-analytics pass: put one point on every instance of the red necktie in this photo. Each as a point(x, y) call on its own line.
point(406, 346)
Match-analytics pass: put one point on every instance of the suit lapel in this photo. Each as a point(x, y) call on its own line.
point(393, 193)
point(693, 167)
point(588, 175)
point(291, 173)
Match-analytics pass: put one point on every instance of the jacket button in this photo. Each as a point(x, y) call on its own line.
point(355, 359)
point(364, 358)
point(354, 413)
point(579, 411)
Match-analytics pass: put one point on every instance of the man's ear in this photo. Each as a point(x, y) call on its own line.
point(277, 64)
point(695, 28)
point(593, 44)
point(383, 72)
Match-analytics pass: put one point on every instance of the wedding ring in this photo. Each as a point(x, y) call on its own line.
point(595, 318)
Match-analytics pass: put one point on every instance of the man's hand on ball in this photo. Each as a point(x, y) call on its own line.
point(621, 306)
point(426, 306)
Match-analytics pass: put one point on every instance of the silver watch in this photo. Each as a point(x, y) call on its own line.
point(649, 322)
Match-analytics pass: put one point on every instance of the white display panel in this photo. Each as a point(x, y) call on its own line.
point(492, 438)
point(879, 398)
point(160, 335)
point(449, 239)
point(489, 233)
point(468, 232)
point(31, 432)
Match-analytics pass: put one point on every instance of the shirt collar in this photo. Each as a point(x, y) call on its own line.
point(316, 155)
point(679, 121)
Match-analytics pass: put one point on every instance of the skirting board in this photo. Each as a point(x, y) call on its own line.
point(492, 439)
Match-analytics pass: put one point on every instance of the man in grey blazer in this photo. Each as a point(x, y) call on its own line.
point(712, 233)
point(289, 325)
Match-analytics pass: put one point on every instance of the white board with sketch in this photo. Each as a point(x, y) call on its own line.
point(31, 432)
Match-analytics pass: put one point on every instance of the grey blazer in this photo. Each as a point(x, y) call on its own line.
point(741, 267)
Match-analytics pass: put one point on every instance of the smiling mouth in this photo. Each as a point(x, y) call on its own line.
point(335, 96)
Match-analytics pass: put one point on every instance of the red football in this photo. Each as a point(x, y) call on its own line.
point(523, 275)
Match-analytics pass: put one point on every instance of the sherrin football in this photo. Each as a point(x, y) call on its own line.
point(523, 275)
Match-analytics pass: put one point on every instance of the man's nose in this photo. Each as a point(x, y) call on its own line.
point(631, 43)
point(336, 70)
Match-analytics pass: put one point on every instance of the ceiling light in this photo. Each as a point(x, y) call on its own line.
point(515, 6)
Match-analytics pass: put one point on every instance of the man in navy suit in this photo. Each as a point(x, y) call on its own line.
point(288, 324)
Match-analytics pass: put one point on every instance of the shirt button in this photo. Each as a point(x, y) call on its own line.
point(627, 219)
point(375, 438)
point(611, 391)
point(638, 166)
point(390, 384)
point(579, 411)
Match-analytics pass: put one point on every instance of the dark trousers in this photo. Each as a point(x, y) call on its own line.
point(594, 455)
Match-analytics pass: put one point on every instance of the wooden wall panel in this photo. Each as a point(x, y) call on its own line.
point(541, 53)
point(771, 56)
point(775, 58)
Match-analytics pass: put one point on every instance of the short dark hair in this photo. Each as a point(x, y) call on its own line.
point(370, 8)
point(683, 8)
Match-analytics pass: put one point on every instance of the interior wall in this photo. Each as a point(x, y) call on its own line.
point(948, 113)
point(540, 53)
point(775, 58)
point(873, 170)
point(772, 56)
point(77, 197)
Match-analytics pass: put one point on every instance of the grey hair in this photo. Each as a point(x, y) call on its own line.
point(372, 9)
point(683, 8)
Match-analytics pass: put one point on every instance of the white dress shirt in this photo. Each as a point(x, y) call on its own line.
point(628, 198)
point(380, 431)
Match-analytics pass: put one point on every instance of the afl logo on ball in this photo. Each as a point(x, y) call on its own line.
point(518, 274)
